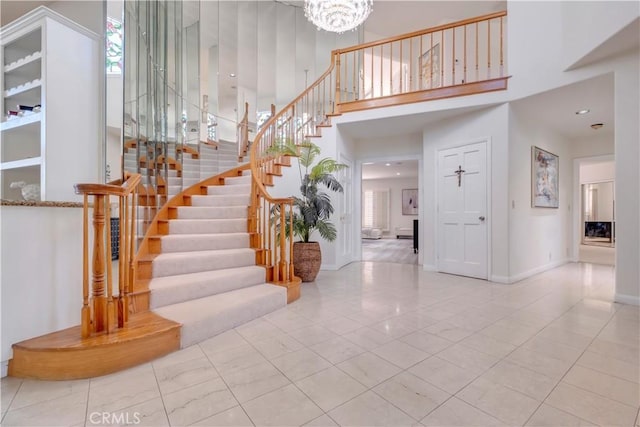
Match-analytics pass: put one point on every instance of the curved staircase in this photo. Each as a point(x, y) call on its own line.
point(206, 277)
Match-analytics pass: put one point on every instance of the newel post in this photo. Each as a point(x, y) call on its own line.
point(99, 300)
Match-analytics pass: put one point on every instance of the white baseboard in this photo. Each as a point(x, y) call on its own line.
point(627, 299)
point(499, 279)
point(537, 270)
point(5, 368)
point(329, 267)
point(429, 267)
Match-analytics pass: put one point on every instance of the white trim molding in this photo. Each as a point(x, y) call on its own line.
point(529, 273)
point(627, 299)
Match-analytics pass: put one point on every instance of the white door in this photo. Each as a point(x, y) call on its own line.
point(462, 211)
point(345, 228)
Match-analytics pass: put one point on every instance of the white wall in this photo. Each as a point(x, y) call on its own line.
point(539, 238)
point(88, 13)
point(581, 36)
point(395, 187)
point(41, 277)
point(627, 148)
point(597, 172)
point(489, 124)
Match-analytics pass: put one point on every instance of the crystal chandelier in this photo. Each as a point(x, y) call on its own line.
point(337, 16)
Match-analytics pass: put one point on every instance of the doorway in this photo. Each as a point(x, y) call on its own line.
point(462, 231)
point(387, 225)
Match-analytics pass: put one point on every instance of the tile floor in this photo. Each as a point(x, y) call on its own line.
point(380, 344)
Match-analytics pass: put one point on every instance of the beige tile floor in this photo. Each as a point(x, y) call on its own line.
point(382, 344)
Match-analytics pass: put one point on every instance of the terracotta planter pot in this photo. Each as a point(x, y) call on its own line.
point(306, 260)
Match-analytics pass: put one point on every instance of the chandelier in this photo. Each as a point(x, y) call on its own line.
point(337, 16)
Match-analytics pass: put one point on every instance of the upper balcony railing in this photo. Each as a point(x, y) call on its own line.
point(466, 55)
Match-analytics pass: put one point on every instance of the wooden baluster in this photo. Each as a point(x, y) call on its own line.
point(464, 73)
point(501, 47)
point(283, 247)
point(477, 53)
point(133, 232)
point(453, 58)
point(391, 68)
point(401, 90)
point(442, 51)
point(488, 49)
point(291, 272)
point(431, 62)
point(85, 313)
point(355, 94)
point(338, 79)
point(122, 262)
point(111, 318)
point(99, 301)
point(381, 72)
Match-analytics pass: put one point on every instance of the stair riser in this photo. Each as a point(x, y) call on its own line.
point(176, 243)
point(199, 226)
point(198, 262)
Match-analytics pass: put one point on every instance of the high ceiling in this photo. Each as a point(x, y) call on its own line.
point(390, 170)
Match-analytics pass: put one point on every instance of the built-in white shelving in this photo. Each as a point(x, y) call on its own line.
point(50, 61)
point(21, 121)
point(23, 62)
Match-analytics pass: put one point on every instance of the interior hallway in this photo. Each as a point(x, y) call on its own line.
point(390, 345)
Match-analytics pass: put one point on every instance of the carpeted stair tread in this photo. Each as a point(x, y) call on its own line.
point(209, 316)
point(238, 180)
point(203, 242)
point(172, 264)
point(176, 289)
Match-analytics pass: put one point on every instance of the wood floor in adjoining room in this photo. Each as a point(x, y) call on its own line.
point(389, 250)
point(383, 344)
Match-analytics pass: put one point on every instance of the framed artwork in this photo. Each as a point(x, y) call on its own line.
point(410, 201)
point(545, 176)
point(430, 68)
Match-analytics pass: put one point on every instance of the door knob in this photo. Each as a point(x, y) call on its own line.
point(481, 218)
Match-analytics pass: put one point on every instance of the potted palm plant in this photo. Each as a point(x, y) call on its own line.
point(313, 208)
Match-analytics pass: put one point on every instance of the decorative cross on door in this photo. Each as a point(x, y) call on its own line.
point(459, 172)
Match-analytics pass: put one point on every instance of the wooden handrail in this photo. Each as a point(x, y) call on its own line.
point(269, 217)
point(425, 31)
point(102, 311)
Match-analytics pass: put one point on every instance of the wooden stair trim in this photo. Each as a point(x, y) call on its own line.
point(64, 355)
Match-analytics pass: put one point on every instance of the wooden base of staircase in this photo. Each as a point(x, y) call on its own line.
point(293, 288)
point(64, 355)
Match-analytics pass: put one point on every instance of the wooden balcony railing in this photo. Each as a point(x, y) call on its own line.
point(102, 309)
point(460, 58)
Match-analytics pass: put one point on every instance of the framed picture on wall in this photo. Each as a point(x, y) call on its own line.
point(545, 176)
point(410, 201)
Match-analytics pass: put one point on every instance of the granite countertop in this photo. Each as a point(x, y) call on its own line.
point(45, 204)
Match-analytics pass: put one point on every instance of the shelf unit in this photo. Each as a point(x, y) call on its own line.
point(49, 60)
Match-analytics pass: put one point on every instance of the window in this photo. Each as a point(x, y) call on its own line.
point(375, 209)
point(114, 46)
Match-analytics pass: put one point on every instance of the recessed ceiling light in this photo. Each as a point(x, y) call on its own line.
point(596, 126)
point(397, 173)
point(583, 111)
point(387, 164)
point(232, 74)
